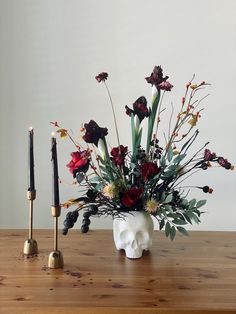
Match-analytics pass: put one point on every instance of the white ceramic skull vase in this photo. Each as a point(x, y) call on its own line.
point(133, 233)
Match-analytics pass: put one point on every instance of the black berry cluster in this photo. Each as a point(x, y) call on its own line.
point(92, 210)
point(176, 200)
point(71, 218)
point(157, 149)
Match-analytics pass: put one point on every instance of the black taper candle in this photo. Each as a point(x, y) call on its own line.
point(31, 160)
point(55, 181)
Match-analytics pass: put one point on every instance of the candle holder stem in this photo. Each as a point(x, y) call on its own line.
point(55, 259)
point(55, 233)
point(30, 245)
point(31, 220)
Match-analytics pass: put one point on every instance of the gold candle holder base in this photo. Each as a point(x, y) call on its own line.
point(55, 260)
point(30, 247)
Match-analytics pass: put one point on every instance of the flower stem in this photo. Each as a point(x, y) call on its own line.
point(114, 115)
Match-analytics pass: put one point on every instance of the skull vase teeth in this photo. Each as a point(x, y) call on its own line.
point(133, 233)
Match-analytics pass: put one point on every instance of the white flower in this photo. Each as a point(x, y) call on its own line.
point(110, 190)
point(152, 206)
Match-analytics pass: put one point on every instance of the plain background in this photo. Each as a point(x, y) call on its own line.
point(51, 51)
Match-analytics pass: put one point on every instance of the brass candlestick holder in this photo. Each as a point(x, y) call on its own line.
point(55, 259)
point(30, 245)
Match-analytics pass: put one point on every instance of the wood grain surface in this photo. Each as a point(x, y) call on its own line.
point(192, 274)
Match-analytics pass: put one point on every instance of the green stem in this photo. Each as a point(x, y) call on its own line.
point(114, 115)
point(152, 117)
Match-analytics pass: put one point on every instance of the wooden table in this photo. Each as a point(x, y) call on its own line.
point(192, 274)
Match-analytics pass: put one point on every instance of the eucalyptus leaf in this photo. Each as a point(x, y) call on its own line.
point(182, 231)
point(187, 217)
point(168, 208)
point(80, 177)
point(172, 233)
point(179, 221)
point(95, 179)
point(167, 229)
point(195, 218)
point(184, 202)
point(162, 224)
point(192, 203)
point(200, 203)
point(168, 198)
point(99, 186)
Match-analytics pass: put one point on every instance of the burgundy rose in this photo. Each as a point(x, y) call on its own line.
point(139, 108)
point(156, 78)
point(131, 197)
point(101, 77)
point(93, 132)
point(149, 170)
point(79, 162)
point(208, 155)
point(118, 155)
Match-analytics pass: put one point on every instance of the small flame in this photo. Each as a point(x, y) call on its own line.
point(31, 128)
point(52, 134)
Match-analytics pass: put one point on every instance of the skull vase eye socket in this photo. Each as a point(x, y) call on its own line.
point(133, 233)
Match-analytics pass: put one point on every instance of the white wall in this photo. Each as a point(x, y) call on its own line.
point(52, 49)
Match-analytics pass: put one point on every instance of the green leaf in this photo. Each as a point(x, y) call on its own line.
point(192, 203)
point(167, 229)
point(187, 217)
point(138, 141)
point(163, 196)
point(95, 179)
point(179, 158)
point(167, 174)
point(195, 218)
point(200, 203)
point(185, 202)
point(168, 198)
point(80, 177)
point(183, 231)
point(152, 119)
point(170, 154)
point(133, 132)
point(162, 162)
point(172, 215)
point(162, 223)
point(168, 208)
point(179, 221)
point(172, 233)
point(99, 186)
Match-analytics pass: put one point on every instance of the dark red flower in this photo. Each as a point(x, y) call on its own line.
point(165, 86)
point(139, 108)
point(93, 132)
point(79, 162)
point(101, 77)
point(156, 78)
point(131, 197)
point(149, 170)
point(118, 155)
point(224, 163)
point(208, 155)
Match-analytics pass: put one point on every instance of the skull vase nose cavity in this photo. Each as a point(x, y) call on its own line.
point(134, 244)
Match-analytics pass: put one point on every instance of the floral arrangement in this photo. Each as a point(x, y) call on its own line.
point(142, 178)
